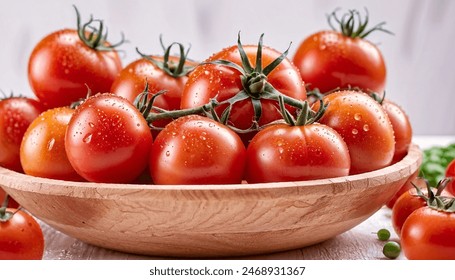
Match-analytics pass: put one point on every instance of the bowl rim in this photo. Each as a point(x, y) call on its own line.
point(410, 158)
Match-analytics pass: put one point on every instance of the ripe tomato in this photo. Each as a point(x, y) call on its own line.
point(21, 237)
point(197, 150)
point(407, 203)
point(364, 126)
point(108, 140)
point(43, 146)
point(401, 127)
point(16, 114)
point(11, 202)
point(282, 152)
point(339, 59)
point(450, 172)
point(161, 73)
point(429, 234)
point(210, 80)
point(65, 62)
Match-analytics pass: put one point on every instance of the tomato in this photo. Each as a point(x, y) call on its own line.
point(43, 146)
point(404, 188)
point(11, 202)
point(108, 140)
point(213, 80)
point(161, 73)
point(21, 237)
point(16, 114)
point(197, 150)
point(429, 234)
point(401, 127)
point(340, 59)
point(364, 126)
point(450, 172)
point(282, 152)
point(64, 63)
point(407, 203)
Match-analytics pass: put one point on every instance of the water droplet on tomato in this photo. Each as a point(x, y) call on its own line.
point(357, 117)
point(366, 127)
point(87, 138)
point(355, 131)
point(168, 153)
point(50, 144)
point(92, 125)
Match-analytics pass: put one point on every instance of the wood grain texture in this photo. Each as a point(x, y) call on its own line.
point(210, 220)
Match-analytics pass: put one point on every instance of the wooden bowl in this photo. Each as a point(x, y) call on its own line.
point(209, 220)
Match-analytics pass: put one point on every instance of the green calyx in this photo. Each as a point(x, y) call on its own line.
point(436, 200)
point(351, 24)
point(95, 37)
point(168, 66)
point(305, 116)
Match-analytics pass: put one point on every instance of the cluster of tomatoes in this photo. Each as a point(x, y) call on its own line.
point(423, 217)
point(245, 113)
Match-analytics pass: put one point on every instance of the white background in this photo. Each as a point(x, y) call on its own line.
point(420, 56)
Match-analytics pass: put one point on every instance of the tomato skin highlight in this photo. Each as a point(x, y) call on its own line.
point(329, 60)
point(209, 81)
point(16, 114)
point(61, 67)
point(364, 126)
point(294, 153)
point(43, 146)
point(108, 140)
point(197, 150)
point(21, 237)
point(429, 234)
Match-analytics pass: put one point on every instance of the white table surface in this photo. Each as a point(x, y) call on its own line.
point(359, 243)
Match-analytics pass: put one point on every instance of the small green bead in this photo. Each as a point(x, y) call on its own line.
point(383, 234)
point(391, 250)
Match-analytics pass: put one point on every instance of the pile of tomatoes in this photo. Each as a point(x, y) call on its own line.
point(247, 113)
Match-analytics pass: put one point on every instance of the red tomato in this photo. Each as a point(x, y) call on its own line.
point(282, 152)
point(429, 234)
point(209, 81)
point(108, 140)
point(21, 237)
point(450, 173)
point(130, 82)
point(11, 202)
point(16, 114)
point(364, 126)
point(43, 146)
point(335, 59)
point(197, 150)
point(65, 62)
point(401, 127)
point(404, 188)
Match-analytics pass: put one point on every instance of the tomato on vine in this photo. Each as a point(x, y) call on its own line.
point(298, 150)
point(342, 58)
point(16, 114)
point(161, 72)
point(42, 150)
point(108, 140)
point(21, 237)
point(64, 62)
point(246, 80)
